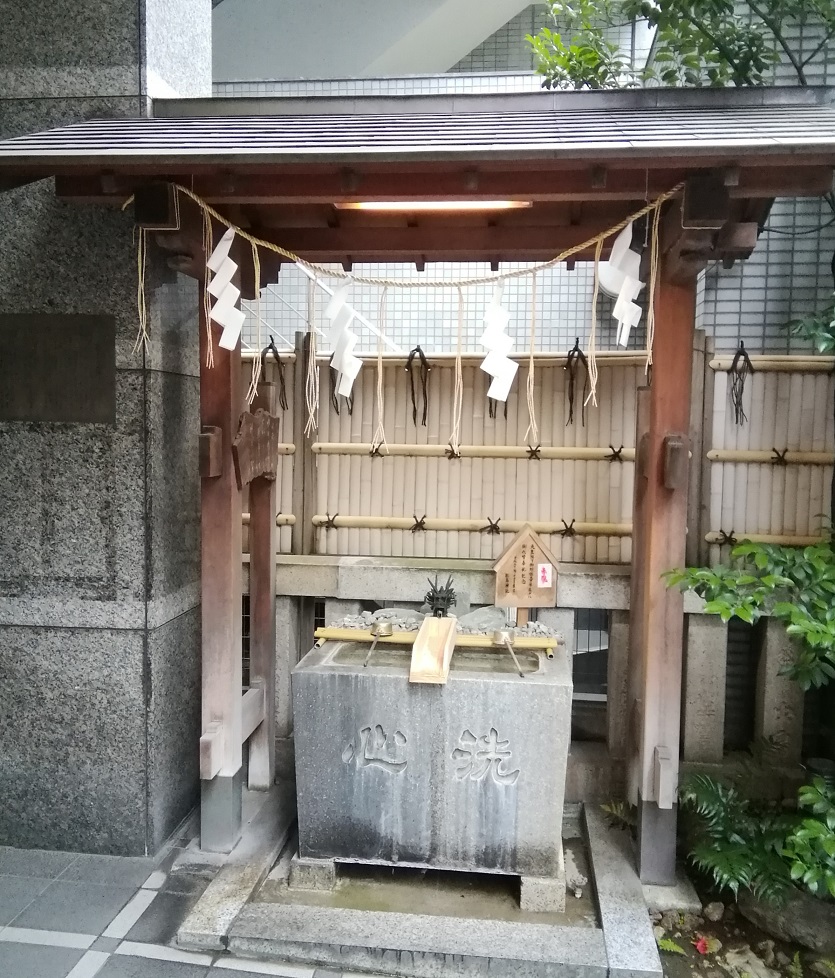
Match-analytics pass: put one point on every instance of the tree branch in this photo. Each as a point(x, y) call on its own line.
point(725, 51)
point(774, 27)
point(827, 38)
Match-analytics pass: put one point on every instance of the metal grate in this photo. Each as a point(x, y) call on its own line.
point(741, 684)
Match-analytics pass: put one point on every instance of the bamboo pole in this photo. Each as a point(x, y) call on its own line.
point(781, 364)
point(785, 540)
point(283, 519)
point(443, 524)
point(447, 360)
point(755, 457)
point(538, 643)
point(579, 453)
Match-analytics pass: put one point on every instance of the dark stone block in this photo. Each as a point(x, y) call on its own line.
point(57, 368)
point(173, 725)
point(72, 769)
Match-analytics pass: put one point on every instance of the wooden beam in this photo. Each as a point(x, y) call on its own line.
point(625, 180)
point(252, 712)
point(664, 518)
point(429, 243)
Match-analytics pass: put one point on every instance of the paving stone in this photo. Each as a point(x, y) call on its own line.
point(31, 961)
point(124, 966)
point(115, 870)
point(43, 863)
point(80, 908)
point(16, 893)
point(160, 922)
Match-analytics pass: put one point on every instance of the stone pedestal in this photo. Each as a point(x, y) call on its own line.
point(779, 708)
point(469, 775)
point(705, 668)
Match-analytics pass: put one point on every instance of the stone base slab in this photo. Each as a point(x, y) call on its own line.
point(415, 945)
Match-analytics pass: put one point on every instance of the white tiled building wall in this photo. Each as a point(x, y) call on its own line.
point(788, 275)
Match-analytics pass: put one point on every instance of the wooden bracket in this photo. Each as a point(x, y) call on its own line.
point(432, 650)
point(664, 777)
point(707, 203)
point(211, 452)
point(675, 461)
point(156, 207)
point(211, 752)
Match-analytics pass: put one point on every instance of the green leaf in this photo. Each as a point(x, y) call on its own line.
point(670, 946)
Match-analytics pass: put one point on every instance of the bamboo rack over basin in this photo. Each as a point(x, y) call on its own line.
point(578, 453)
point(472, 526)
point(537, 643)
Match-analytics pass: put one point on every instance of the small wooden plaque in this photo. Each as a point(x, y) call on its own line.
point(526, 573)
point(255, 448)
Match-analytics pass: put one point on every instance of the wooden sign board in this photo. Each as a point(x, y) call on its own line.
point(255, 448)
point(526, 573)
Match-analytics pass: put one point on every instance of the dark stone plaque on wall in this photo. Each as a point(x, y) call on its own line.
point(58, 368)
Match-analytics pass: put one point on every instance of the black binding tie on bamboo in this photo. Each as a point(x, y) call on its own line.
point(779, 458)
point(534, 453)
point(616, 455)
point(282, 387)
point(419, 524)
point(418, 354)
point(740, 367)
point(568, 530)
point(329, 523)
point(491, 408)
point(727, 539)
point(575, 358)
point(492, 526)
point(451, 453)
point(335, 397)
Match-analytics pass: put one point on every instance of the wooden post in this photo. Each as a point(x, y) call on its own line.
point(662, 545)
point(636, 598)
point(221, 585)
point(263, 543)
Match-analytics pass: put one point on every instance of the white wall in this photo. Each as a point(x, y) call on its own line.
point(271, 39)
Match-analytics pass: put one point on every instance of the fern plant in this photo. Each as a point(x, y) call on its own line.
point(739, 843)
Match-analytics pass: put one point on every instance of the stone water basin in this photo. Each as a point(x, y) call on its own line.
point(469, 775)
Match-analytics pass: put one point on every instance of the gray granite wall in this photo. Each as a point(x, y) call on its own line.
point(99, 534)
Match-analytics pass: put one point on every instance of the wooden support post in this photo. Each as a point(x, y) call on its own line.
point(662, 547)
point(220, 406)
point(636, 599)
point(263, 544)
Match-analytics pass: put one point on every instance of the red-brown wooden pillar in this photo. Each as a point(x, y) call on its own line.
point(221, 576)
point(263, 544)
point(657, 612)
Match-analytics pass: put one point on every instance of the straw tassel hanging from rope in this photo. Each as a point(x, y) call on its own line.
point(378, 442)
point(311, 385)
point(532, 432)
point(591, 363)
point(258, 361)
point(458, 394)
